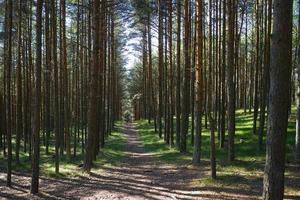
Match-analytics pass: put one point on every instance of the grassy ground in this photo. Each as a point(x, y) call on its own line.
point(109, 155)
point(246, 171)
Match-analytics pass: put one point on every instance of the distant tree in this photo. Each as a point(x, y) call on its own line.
point(265, 77)
point(160, 66)
point(65, 79)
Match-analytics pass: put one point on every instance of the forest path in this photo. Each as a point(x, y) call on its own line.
point(142, 176)
point(139, 175)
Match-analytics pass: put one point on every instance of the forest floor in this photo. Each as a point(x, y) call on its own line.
point(241, 179)
point(137, 173)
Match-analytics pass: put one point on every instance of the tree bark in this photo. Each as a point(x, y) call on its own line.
point(19, 86)
point(230, 82)
point(297, 139)
point(186, 81)
point(92, 111)
point(8, 68)
point(280, 69)
point(178, 75)
point(37, 102)
point(160, 67)
point(198, 82)
point(56, 89)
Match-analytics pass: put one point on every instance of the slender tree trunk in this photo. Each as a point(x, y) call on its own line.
point(56, 89)
point(230, 82)
point(223, 109)
point(178, 75)
point(171, 106)
point(8, 68)
point(30, 81)
point(37, 102)
point(265, 83)
point(210, 99)
point(186, 81)
point(160, 66)
point(257, 65)
point(65, 79)
point(61, 80)
point(198, 82)
point(47, 76)
point(19, 86)
point(193, 79)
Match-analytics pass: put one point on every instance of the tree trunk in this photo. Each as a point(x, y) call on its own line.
point(257, 65)
point(92, 111)
point(230, 82)
point(19, 86)
point(171, 98)
point(265, 83)
point(280, 69)
point(65, 79)
point(47, 76)
point(56, 89)
point(37, 102)
point(223, 87)
point(210, 98)
point(198, 82)
point(178, 75)
point(186, 81)
point(8, 68)
point(160, 67)
point(297, 139)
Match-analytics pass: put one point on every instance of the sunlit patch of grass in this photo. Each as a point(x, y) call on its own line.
point(224, 180)
point(110, 155)
point(152, 143)
point(249, 164)
point(113, 152)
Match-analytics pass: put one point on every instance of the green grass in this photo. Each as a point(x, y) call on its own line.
point(110, 155)
point(249, 160)
point(246, 143)
point(152, 143)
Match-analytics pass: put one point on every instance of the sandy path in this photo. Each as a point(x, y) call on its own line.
point(140, 176)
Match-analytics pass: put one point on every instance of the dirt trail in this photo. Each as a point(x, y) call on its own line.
point(140, 176)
